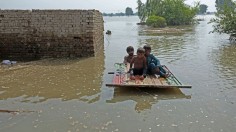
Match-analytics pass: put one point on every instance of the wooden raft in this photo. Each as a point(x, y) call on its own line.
point(122, 79)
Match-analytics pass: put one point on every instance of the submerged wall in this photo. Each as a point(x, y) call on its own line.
point(31, 34)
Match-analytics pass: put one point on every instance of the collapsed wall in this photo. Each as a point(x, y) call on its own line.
point(31, 34)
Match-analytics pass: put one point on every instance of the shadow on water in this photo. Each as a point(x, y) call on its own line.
point(46, 79)
point(147, 97)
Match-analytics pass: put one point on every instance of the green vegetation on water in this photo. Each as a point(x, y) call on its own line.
point(225, 21)
point(175, 12)
point(156, 21)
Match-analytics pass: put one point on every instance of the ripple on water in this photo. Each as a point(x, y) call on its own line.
point(55, 78)
point(224, 61)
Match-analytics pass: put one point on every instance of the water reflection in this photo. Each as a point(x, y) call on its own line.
point(225, 62)
point(208, 63)
point(176, 31)
point(48, 79)
point(145, 98)
point(171, 47)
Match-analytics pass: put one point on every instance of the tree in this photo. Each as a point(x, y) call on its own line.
point(141, 11)
point(220, 4)
point(225, 21)
point(129, 11)
point(176, 12)
point(202, 9)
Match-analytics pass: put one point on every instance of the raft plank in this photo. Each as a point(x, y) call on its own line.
point(121, 79)
point(149, 86)
point(148, 80)
point(156, 80)
point(163, 81)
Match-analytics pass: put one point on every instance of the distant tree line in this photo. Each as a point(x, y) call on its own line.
point(128, 12)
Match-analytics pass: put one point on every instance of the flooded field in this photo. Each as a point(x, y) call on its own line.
point(63, 95)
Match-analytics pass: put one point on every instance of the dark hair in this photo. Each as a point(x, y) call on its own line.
point(140, 50)
point(147, 47)
point(130, 48)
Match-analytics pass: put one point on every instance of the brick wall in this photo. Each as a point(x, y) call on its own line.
point(33, 34)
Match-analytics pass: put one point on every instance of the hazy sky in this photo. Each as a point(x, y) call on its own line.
point(102, 5)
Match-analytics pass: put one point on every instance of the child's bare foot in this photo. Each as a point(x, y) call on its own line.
point(166, 75)
point(132, 77)
point(141, 78)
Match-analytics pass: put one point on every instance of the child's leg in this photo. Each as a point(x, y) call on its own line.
point(134, 72)
point(153, 68)
point(139, 73)
point(163, 72)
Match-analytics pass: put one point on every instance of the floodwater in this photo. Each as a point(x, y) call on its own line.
point(62, 95)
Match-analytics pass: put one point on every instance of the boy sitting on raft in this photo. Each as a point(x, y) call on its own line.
point(129, 57)
point(140, 65)
point(153, 64)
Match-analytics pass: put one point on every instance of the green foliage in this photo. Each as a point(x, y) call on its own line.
point(156, 21)
point(202, 9)
point(176, 12)
point(141, 11)
point(220, 4)
point(129, 11)
point(225, 21)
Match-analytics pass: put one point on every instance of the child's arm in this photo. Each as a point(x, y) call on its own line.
point(131, 64)
point(125, 60)
point(145, 67)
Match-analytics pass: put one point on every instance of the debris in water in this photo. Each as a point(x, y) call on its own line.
point(108, 123)
point(174, 125)
point(15, 111)
point(8, 62)
point(4, 87)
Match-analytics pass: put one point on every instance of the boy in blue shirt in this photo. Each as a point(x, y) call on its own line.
point(153, 64)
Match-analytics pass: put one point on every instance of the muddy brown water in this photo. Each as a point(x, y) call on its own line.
point(65, 95)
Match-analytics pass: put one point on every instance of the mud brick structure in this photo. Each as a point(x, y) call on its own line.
point(33, 34)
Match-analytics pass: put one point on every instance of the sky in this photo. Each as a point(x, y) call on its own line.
point(108, 6)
